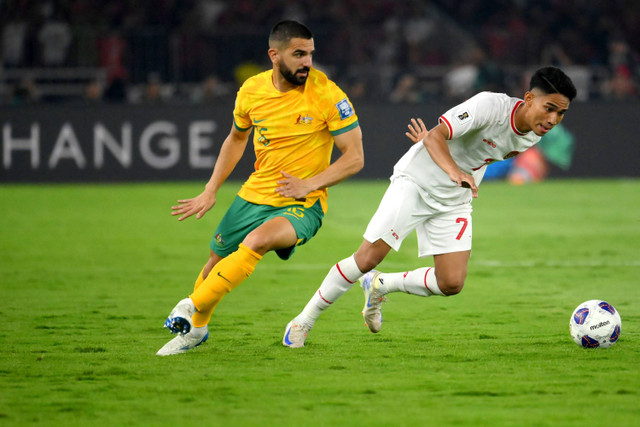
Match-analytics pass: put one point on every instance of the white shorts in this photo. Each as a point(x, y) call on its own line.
point(406, 206)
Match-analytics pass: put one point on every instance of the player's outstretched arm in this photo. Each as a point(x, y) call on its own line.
point(230, 154)
point(417, 130)
point(349, 163)
point(436, 144)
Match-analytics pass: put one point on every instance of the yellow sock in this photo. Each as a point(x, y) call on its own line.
point(199, 280)
point(200, 319)
point(226, 275)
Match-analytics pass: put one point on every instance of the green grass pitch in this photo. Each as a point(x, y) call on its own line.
point(89, 273)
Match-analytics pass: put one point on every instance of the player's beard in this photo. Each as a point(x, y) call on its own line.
point(291, 77)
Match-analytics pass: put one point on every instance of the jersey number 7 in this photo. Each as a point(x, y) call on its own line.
point(464, 222)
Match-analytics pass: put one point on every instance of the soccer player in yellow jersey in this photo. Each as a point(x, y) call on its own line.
point(296, 114)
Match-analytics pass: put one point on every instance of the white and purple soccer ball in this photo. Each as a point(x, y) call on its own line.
point(595, 324)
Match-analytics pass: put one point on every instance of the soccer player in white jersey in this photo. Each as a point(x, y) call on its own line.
point(431, 191)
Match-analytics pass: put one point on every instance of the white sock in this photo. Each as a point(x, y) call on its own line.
point(421, 281)
point(338, 281)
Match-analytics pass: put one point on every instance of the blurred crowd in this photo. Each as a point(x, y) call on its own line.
point(399, 51)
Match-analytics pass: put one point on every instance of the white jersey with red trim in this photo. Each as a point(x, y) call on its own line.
point(481, 131)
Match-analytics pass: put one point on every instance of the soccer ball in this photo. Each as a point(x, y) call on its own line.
point(595, 323)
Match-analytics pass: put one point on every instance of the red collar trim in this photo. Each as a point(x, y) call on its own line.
point(513, 119)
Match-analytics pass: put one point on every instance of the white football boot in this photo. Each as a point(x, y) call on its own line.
point(185, 342)
point(373, 299)
point(179, 320)
point(295, 334)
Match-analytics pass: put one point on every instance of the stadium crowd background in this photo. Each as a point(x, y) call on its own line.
point(199, 51)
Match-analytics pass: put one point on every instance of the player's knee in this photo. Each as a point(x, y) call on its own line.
point(452, 289)
point(368, 255)
point(450, 284)
point(368, 261)
point(258, 242)
point(368, 265)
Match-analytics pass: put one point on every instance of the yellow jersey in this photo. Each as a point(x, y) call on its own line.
point(292, 132)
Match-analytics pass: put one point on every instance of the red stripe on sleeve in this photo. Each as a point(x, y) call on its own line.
point(444, 120)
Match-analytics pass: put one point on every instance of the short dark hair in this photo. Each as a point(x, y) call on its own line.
point(553, 80)
point(284, 31)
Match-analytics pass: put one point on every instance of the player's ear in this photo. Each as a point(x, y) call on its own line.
point(529, 96)
point(273, 55)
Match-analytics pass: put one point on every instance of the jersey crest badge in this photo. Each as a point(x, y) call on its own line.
point(345, 109)
point(304, 120)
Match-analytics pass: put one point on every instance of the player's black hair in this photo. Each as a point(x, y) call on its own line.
point(553, 80)
point(284, 31)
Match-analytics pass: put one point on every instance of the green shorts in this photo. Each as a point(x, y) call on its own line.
point(243, 217)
